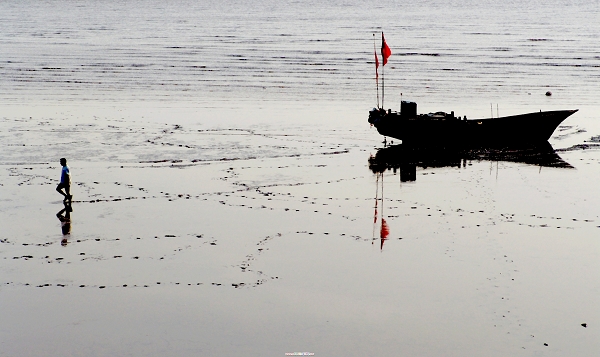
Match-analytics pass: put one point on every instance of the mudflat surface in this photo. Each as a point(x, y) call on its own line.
point(193, 241)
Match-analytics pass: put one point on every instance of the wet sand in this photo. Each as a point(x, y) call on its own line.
point(196, 240)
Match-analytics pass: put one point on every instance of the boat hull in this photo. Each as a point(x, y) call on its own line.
point(447, 130)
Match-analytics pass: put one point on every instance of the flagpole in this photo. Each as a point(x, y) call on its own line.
point(382, 84)
point(376, 71)
point(382, 73)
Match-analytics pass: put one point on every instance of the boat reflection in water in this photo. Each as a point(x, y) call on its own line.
point(406, 158)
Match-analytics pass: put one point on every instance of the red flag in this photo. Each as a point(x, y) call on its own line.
point(385, 50)
point(376, 64)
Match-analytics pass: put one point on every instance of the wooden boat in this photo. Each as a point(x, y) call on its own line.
point(443, 129)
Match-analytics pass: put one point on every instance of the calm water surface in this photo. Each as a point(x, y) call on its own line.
point(445, 54)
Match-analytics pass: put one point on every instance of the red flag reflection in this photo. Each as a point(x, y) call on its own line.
point(385, 232)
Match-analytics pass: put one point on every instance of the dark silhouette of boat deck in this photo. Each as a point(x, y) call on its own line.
point(443, 129)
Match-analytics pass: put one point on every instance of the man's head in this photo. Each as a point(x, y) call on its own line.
point(63, 161)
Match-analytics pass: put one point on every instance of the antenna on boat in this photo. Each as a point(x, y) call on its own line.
point(400, 110)
point(497, 112)
point(491, 110)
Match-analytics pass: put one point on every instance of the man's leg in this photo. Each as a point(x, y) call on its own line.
point(59, 189)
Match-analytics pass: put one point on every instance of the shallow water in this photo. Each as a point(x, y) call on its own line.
point(224, 203)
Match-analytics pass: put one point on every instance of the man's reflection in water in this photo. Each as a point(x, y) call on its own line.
point(64, 216)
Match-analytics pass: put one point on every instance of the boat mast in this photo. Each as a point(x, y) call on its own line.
point(376, 70)
point(382, 84)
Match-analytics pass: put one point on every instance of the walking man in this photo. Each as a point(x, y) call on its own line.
point(65, 181)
